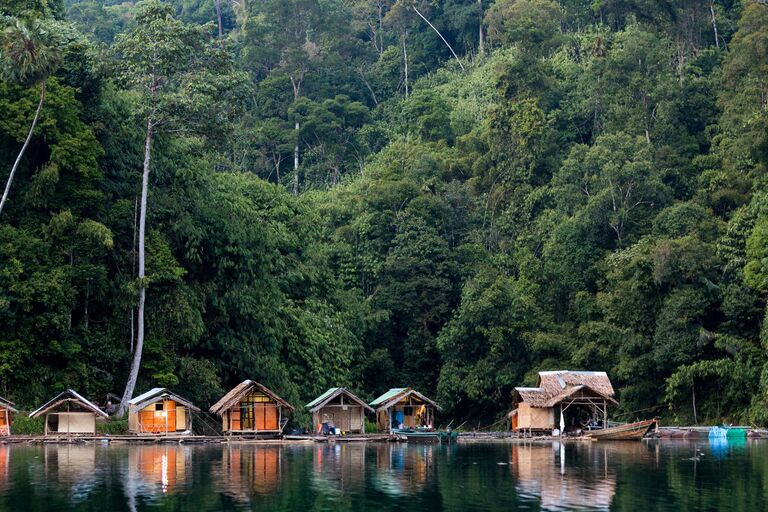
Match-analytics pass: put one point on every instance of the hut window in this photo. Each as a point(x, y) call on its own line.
point(159, 406)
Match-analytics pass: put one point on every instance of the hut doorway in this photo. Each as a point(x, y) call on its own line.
point(257, 413)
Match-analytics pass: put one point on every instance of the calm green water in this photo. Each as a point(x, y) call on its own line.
point(643, 476)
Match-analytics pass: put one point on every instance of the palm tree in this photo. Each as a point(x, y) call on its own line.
point(29, 54)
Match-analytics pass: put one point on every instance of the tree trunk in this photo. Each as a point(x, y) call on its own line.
point(381, 28)
point(481, 44)
point(218, 17)
point(24, 147)
point(296, 162)
point(441, 37)
point(405, 61)
point(714, 23)
point(136, 363)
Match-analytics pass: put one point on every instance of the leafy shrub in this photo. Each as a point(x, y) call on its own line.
point(23, 425)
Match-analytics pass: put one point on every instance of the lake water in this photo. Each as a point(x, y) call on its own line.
point(642, 476)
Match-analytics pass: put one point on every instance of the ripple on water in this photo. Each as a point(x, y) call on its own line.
point(648, 476)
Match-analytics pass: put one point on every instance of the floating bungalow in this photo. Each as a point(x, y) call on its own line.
point(6, 412)
point(403, 408)
point(251, 408)
point(341, 408)
point(160, 411)
point(582, 398)
point(69, 413)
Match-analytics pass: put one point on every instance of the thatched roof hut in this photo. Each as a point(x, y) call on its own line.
point(341, 408)
point(251, 408)
point(160, 411)
point(69, 413)
point(539, 408)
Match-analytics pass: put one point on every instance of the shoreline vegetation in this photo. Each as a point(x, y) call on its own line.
point(451, 196)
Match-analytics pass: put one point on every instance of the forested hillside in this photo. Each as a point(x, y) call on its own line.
point(446, 194)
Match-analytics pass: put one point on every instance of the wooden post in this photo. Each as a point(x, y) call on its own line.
point(165, 414)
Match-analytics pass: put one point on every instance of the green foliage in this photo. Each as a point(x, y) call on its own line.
point(112, 427)
point(589, 193)
point(23, 425)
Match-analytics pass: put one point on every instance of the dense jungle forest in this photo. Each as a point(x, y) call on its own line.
point(446, 194)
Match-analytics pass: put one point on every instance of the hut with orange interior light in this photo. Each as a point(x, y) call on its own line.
point(69, 413)
point(401, 408)
point(6, 416)
point(160, 411)
point(577, 399)
point(251, 408)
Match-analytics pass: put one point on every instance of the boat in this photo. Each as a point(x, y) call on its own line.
point(425, 436)
point(626, 432)
point(726, 432)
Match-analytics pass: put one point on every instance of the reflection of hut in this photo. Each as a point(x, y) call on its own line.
point(5, 465)
point(251, 470)
point(403, 469)
point(251, 408)
point(69, 413)
point(544, 479)
point(403, 408)
point(6, 412)
point(157, 467)
point(159, 411)
point(71, 465)
point(339, 468)
point(341, 408)
point(582, 397)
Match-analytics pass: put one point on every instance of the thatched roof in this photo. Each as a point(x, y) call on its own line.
point(157, 394)
point(68, 395)
point(396, 395)
point(321, 401)
point(554, 387)
point(242, 389)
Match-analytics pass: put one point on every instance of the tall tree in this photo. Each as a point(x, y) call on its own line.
point(176, 71)
point(30, 51)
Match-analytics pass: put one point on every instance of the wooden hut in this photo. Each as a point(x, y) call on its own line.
point(69, 413)
point(160, 411)
point(251, 408)
point(340, 407)
point(582, 398)
point(6, 416)
point(403, 408)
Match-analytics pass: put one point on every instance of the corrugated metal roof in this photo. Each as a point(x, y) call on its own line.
point(387, 396)
point(152, 392)
point(76, 396)
point(331, 394)
point(321, 397)
point(145, 399)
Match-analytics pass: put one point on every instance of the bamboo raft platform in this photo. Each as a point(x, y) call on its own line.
point(194, 439)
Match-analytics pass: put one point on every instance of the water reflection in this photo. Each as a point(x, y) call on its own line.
point(248, 471)
point(403, 469)
point(543, 474)
point(658, 476)
point(71, 467)
point(338, 468)
point(155, 471)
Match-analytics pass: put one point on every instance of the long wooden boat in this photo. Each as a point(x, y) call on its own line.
point(426, 436)
point(628, 432)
